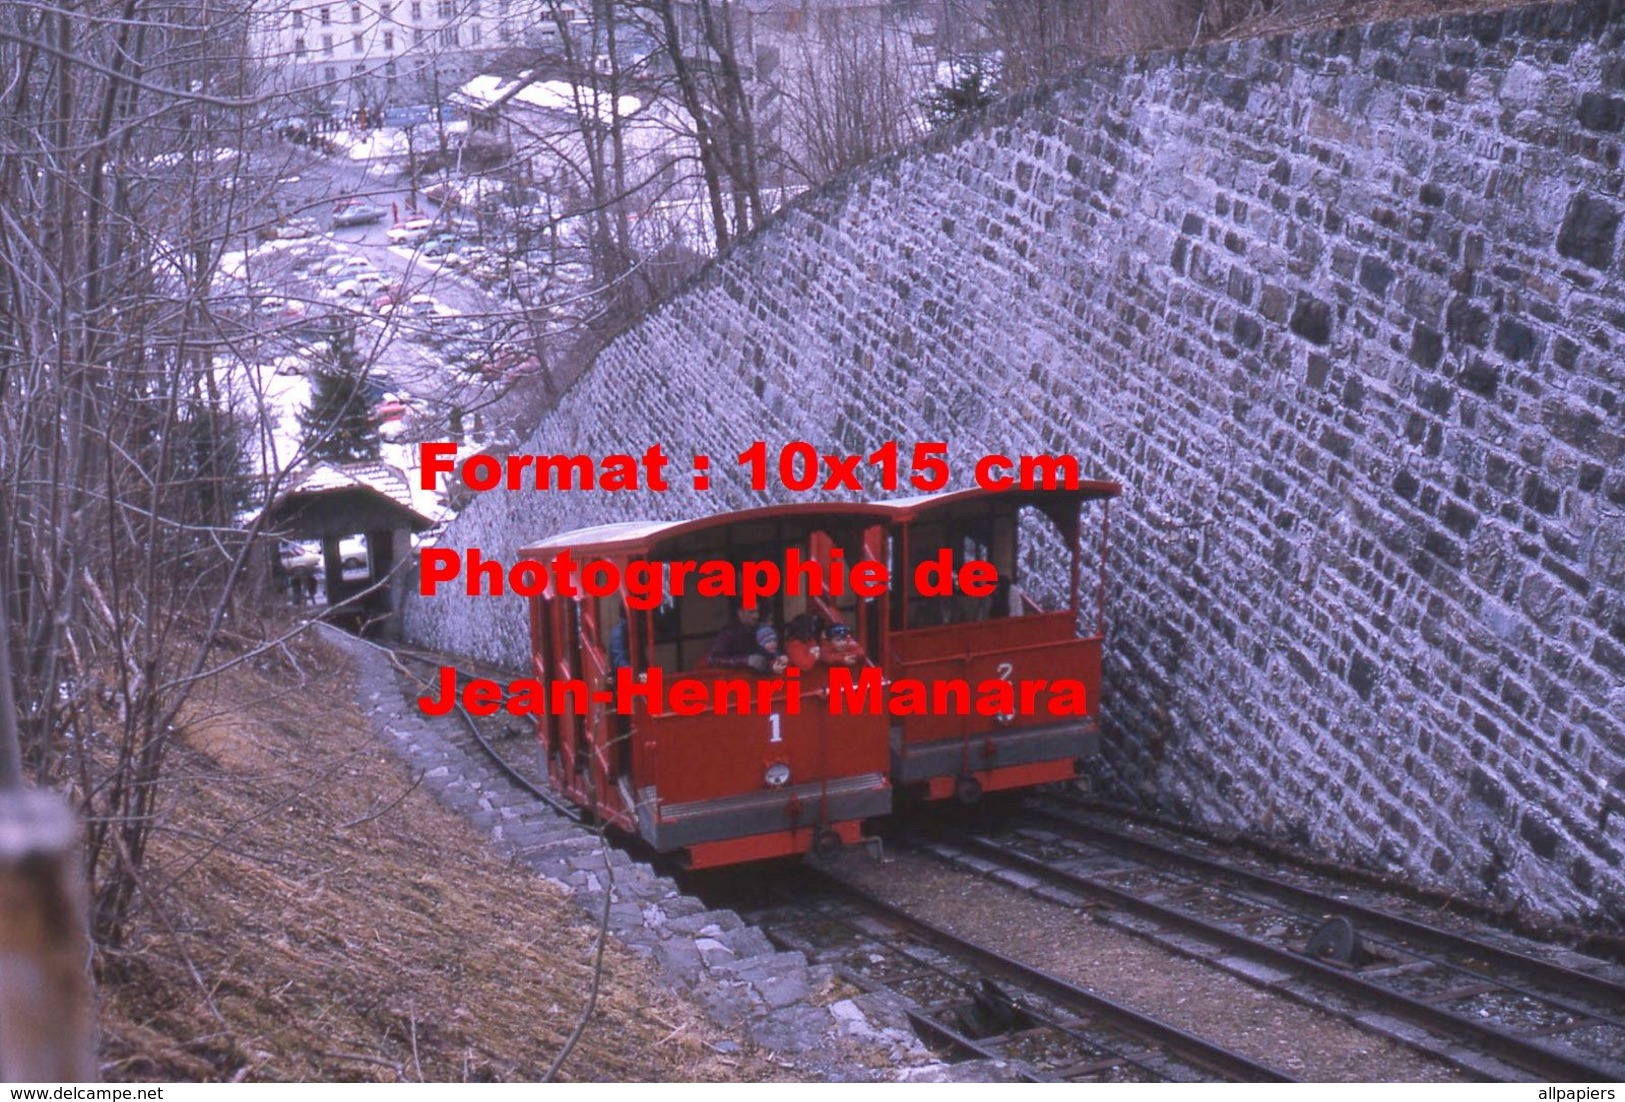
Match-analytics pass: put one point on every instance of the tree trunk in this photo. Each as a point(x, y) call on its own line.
point(46, 1024)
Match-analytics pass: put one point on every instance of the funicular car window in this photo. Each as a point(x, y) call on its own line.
point(1042, 580)
point(1024, 544)
point(686, 629)
point(685, 633)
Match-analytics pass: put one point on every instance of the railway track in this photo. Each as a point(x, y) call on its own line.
point(982, 1003)
point(1492, 1012)
point(1601, 990)
point(967, 997)
point(400, 656)
point(1403, 971)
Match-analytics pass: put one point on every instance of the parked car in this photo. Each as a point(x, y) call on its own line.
point(442, 193)
point(441, 244)
point(289, 229)
point(361, 214)
point(413, 229)
point(279, 309)
point(510, 363)
point(392, 408)
point(353, 558)
point(344, 288)
point(299, 556)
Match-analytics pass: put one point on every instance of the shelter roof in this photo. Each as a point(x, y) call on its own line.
point(325, 487)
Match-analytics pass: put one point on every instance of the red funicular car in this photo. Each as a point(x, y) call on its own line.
point(1051, 581)
point(725, 784)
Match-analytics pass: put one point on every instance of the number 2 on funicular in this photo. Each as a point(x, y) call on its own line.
point(1005, 670)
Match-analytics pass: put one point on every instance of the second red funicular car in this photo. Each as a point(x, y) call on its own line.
point(1051, 569)
point(724, 785)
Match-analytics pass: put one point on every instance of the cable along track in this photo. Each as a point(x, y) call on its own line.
point(1498, 1003)
point(527, 784)
point(1250, 892)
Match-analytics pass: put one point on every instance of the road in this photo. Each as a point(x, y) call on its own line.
point(403, 355)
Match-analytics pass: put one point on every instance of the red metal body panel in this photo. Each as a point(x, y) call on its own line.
point(1017, 649)
point(761, 847)
point(1000, 780)
point(585, 753)
point(1001, 638)
point(699, 757)
point(700, 784)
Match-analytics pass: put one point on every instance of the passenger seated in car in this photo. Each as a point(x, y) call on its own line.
point(840, 647)
point(803, 635)
point(812, 641)
point(767, 640)
point(737, 645)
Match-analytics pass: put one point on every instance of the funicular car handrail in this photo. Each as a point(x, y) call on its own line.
point(904, 512)
point(1015, 648)
point(629, 538)
point(1043, 614)
point(976, 638)
point(907, 509)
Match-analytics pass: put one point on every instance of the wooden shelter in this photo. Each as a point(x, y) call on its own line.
point(331, 502)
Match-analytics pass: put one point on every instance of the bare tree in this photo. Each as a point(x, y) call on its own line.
point(851, 89)
point(701, 42)
point(1039, 40)
point(120, 127)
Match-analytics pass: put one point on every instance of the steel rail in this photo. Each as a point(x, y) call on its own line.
point(919, 1020)
point(1203, 1053)
point(925, 1026)
point(1599, 988)
point(1523, 1052)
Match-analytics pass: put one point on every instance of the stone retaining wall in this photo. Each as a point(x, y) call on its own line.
point(1345, 313)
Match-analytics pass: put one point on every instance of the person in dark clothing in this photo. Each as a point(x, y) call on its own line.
point(737, 645)
point(620, 645)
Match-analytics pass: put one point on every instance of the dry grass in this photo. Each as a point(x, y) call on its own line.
point(280, 943)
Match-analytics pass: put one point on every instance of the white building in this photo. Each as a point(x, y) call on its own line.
point(390, 53)
point(548, 125)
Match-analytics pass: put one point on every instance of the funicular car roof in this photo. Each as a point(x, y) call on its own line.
point(638, 537)
point(907, 508)
point(634, 537)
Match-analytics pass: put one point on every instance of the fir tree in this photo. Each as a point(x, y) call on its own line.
point(214, 463)
point(338, 425)
point(970, 90)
